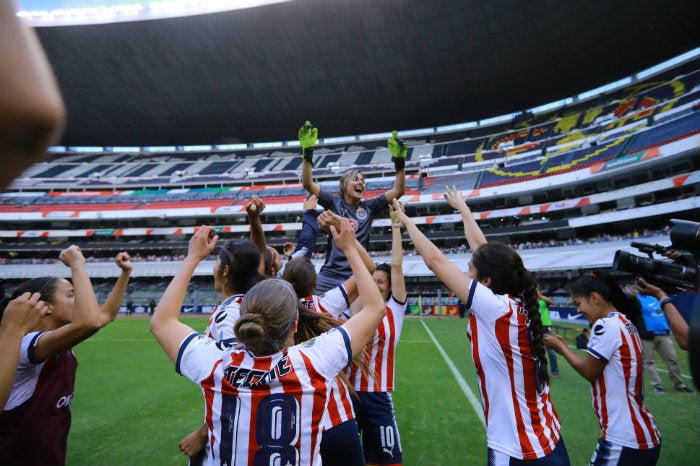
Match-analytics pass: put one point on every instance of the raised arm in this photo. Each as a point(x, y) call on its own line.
point(475, 237)
point(398, 282)
point(443, 268)
point(85, 319)
point(110, 308)
point(362, 326)
point(165, 322)
point(399, 150)
point(20, 316)
point(679, 327)
point(308, 135)
point(254, 208)
point(586, 365)
point(32, 113)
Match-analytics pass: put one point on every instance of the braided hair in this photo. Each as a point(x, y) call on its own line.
point(504, 266)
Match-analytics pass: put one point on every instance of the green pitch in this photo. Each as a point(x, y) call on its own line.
point(131, 408)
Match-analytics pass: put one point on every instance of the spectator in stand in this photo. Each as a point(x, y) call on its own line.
point(656, 337)
point(44, 384)
point(349, 203)
point(265, 330)
point(544, 303)
point(505, 332)
point(614, 367)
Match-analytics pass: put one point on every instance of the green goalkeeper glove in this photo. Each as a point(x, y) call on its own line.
point(398, 149)
point(307, 137)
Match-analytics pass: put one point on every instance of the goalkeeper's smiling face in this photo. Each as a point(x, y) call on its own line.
point(354, 189)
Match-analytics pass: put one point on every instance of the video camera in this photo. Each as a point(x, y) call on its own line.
point(672, 276)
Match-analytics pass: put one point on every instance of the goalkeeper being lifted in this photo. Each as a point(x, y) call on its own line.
point(349, 202)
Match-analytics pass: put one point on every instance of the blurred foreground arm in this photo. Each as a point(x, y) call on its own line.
point(32, 114)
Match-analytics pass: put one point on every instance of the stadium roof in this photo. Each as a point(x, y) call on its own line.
point(351, 67)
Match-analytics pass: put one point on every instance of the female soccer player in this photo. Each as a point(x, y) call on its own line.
point(614, 367)
point(43, 388)
point(236, 271)
point(265, 399)
point(373, 405)
point(505, 332)
point(349, 202)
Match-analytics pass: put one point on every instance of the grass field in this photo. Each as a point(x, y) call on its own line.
point(131, 408)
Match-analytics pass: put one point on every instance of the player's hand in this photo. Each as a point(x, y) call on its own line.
point(288, 248)
point(345, 236)
point(398, 149)
point(193, 443)
point(254, 207)
point(72, 256)
point(202, 242)
point(22, 314)
point(647, 289)
point(395, 218)
point(328, 218)
point(308, 135)
point(554, 341)
point(123, 261)
point(456, 200)
point(398, 213)
point(311, 202)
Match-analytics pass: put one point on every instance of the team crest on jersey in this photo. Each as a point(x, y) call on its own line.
point(309, 343)
point(361, 213)
point(599, 329)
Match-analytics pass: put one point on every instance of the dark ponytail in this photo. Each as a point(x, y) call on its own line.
point(606, 286)
point(504, 266)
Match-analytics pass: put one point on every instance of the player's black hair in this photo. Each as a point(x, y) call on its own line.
point(301, 274)
point(243, 260)
point(504, 266)
point(607, 287)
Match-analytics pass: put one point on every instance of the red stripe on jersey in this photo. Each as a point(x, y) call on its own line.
point(207, 384)
point(638, 418)
point(380, 359)
point(338, 413)
point(601, 404)
point(257, 394)
point(319, 405)
point(502, 328)
point(473, 336)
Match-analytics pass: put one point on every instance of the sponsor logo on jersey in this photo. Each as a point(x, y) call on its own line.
point(244, 377)
point(599, 329)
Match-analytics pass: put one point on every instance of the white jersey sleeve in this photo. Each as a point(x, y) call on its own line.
point(605, 339)
point(334, 301)
point(197, 356)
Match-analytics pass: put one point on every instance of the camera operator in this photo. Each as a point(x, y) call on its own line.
point(679, 327)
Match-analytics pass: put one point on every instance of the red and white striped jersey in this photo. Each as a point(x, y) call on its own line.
point(618, 391)
point(265, 409)
point(381, 357)
point(333, 303)
point(520, 418)
point(222, 320)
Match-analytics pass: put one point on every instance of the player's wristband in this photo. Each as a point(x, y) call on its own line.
point(399, 163)
point(665, 301)
point(308, 154)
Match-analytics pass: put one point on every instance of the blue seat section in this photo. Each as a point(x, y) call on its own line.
point(327, 159)
point(172, 169)
point(666, 132)
point(462, 181)
point(293, 164)
point(218, 168)
point(365, 158)
point(54, 171)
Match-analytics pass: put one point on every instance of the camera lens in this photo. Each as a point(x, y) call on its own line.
point(685, 236)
